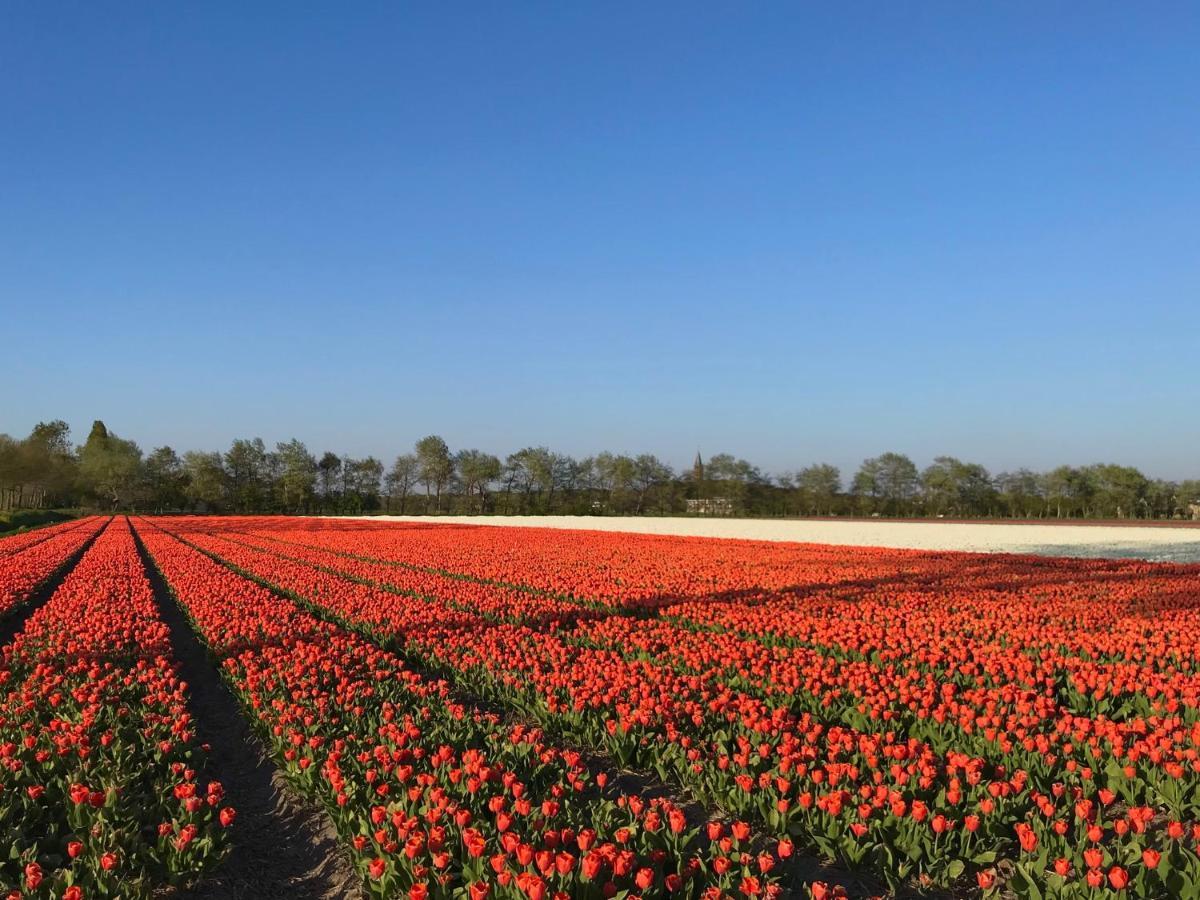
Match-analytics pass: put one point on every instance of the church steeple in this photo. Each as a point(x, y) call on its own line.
point(698, 468)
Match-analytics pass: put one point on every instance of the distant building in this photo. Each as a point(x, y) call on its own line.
point(702, 504)
point(710, 506)
point(1194, 509)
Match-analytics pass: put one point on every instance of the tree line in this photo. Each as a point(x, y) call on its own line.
point(45, 470)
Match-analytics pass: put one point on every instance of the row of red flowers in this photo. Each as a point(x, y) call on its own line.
point(15, 543)
point(994, 705)
point(100, 791)
point(29, 563)
point(436, 797)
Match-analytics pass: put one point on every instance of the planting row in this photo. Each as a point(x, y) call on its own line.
point(633, 569)
point(934, 766)
point(28, 567)
point(434, 796)
point(101, 779)
point(17, 542)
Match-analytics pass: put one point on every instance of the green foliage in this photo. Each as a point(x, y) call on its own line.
point(25, 519)
point(44, 470)
point(110, 468)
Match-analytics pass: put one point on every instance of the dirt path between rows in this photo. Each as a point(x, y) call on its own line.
point(283, 847)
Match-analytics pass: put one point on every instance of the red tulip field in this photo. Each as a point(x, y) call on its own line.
point(526, 713)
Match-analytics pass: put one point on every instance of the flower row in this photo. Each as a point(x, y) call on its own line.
point(101, 784)
point(31, 564)
point(434, 796)
point(893, 748)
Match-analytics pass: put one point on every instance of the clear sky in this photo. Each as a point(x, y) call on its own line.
point(792, 232)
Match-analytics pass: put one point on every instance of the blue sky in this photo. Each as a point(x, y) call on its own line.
point(790, 232)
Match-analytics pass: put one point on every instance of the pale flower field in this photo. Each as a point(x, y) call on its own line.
point(1165, 542)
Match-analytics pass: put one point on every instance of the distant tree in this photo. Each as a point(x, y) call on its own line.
point(888, 483)
point(206, 481)
point(570, 483)
point(950, 485)
point(615, 474)
point(298, 475)
point(818, 486)
point(246, 463)
point(401, 478)
point(165, 480)
point(1118, 491)
point(1057, 489)
point(732, 478)
point(517, 479)
point(11, 474)
point(546, 470)
point(1021, 493)
point(361, 484)
point(1070, 491)
point(650, 474)
point(586, 484)
point(329, 473)
point(1186, 494)
point(436, 466)
point(40, 470)
point(726, 467)
point(110, 467)
point(53, 464)
point(476, 471)
point(1162, 498)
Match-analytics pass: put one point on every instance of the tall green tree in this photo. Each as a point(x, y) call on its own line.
point(247, 466)
point(436, 466)
point(951, 486)
point(818, 486)
point(206, 482)
point(110, 467)
point(887, 483)
point(165, 480)
point(732, 478)
point(329, 474)
point(298, 475)
point(614, 476)
point(650, 477)
point(401, 478)
point(1021, 493)
point(476, 472)
point(361, 479)
point(39, 471)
